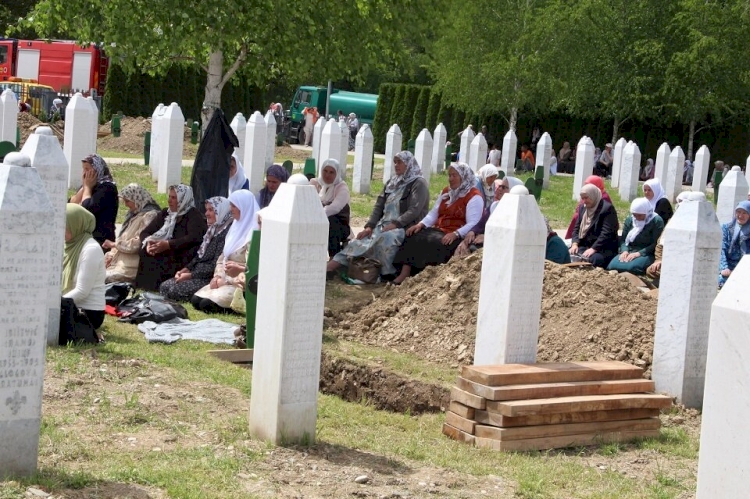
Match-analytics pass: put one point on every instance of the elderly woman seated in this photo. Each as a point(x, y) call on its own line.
point(334, 194)
point(171, 240)
point(98, 194)
point(595, 233)
point(486, 177)
point(402, 203)
point(275, 176)
point(735, 241)
point(434, 240)
point(640, 234)
point(124, 253)
point(653, 191)
point(598, 182)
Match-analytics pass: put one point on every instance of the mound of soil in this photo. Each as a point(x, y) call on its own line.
point(587, 314)
point(133, 131)
point(27, 122)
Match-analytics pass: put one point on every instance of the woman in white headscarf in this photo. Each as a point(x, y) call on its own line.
point(171, 240)
point(640, 234)
point(735, 241)
point(657, 198)
point(334, 194)
point(654, 270)
point(486, 177)
point(595, 232)
point(217, 295)
point(237, 178)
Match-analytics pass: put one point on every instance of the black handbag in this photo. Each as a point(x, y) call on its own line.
point(75, 325)
point(149, 307)
point(115, 292)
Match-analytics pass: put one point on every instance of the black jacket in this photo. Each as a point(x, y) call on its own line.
point(602, 234)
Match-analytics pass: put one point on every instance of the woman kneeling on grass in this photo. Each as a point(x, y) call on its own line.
point(640, 233)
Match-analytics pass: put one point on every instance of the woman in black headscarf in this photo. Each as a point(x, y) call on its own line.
point(98, 194)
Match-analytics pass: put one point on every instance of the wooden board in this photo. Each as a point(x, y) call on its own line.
point(497, 419)
point(462, 424)
point(564, 372)
point(562, 442)
point(580, 404)
point(468, 399)
point(457, 434)
point(549, 390)
point(237, 356)
point(559, 430)
point(462, 410)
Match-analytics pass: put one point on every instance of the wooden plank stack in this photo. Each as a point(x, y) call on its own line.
point(521, 407)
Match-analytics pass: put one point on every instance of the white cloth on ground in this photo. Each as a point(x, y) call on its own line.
point(208, 330)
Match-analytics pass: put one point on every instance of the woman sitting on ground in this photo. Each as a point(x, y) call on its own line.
point(98, 194)
point(171, 240)
point(200, 270)
point(434, 240)
point(556, 249)
point(486, 177)
point(237, 179)
point(654, 192)
point(83, 264)
point(735, 241)
point(402, 203)
point(591, 180)
point(334, 194)
point(124, 253)
point(640, 233)
point(217, 295)
point(275, 176)
point(595, 233)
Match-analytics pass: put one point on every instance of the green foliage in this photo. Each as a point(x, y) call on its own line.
point(433, 108)
point(381, 123)
point(419, 118)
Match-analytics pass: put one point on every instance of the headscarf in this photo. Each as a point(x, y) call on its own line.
point(597, 181)
point(593, 193)
point(549, 227)
point(740, 233)
point(185, 202)
point(649, 168)
point(467, 182)
point(641, 206)
point(276, 171)
point(57, 101)
point(100, 167)
point(238, 180)
point(223, 220)
point(142, 200)
point(655, 186)
point(512, 182)
point(484, 173)
point(412, 172)
point(81, 223)
point(565, 149)
point(327, 191)
point(240, 230)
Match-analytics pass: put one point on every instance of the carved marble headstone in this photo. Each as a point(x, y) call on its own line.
point(439, 138)
point(8, 116)
point(363, 160)
point(630, 168)
point(700, 169)
point(170, 150)
point(392, 147)
point(584, 165)
point(423, 153)
point(156, 140)
point(617, 162)
point(477, 152)
point(80, 138)
point(317, 134)
point(509, 153)
point(661, 165)
point(330, 144)
point(238, 125)
point(732, 190)
point(255, 151)
point(544, 156)
point(464, 153)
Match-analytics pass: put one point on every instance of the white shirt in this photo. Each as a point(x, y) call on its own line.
point(474, 209)
point(88, 292)
point(494, 158)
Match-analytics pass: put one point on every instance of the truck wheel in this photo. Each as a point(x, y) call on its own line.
point(301, 136)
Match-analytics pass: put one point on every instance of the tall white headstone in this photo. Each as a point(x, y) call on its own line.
point(95, 121)
point(700, 169)
point(291, 295)
point(423, 153)
point(170, 162)
point(8, 116)
point(47, 157)
point(392, 147)
point(27, 234)
point(747, 169)
point(438, 148)
point(344, 155)
point(676, 167)
point(239, 123)
point(317, 134)
point(630, 168)
point(362, 160)
point(477, 152)
point(464, 152)
point(79, 141)
point(617, 162)
point(270, 138)
point(692, 244)
point(255, 151)
point(584, 165)
point(330, 144)
point(724, 461)
point(544, 156)
point(732, 190)
point(156, 140)
point(661, 165)
point(509, 153)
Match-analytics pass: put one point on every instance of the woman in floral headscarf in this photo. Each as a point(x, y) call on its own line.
point(434, 240)
point(334, 194)
point(124, 253)
point(98, 194)
point(275, 176)
point(171, 240)
point(402, 203)
point(640, 234)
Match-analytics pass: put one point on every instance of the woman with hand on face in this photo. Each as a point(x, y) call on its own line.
point(735, 241)
point(334, 194)
point(275, 176)
point(98, 194)
point(595, 233)
point(640, 234)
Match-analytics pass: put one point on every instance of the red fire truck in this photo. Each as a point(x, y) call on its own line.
point(63, 65)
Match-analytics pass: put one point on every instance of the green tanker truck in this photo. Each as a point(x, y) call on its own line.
point(363, 105)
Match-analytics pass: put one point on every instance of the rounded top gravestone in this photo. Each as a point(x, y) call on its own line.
point(17, 159)
point(519, 190)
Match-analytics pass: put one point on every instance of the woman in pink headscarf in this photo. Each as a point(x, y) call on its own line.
point(598, 182)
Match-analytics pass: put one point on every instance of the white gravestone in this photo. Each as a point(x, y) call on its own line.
point(291, 294)
point(47, 157)
point(156, 129)
point(692, 245)
point(8, 116)
point(270, 138)
point(27, 234)
point(330, 144)
point(317, 134)
point(747, 169)
point(439, 138)
point(254, 161)
point(464, 152)
point(661, 165)
point(510, 293)
point(544, 156)
point(95, 122)
point(423, 153)
point(344, 155)
point(630, 169)
point(79, 141)
point(509, 153)
point(363, 160)
point(477, 152)
point(584, 165)
point(732, 190)
point(617, 162)
point(676, 167)
point(724, 461)
point(239, 123)
point(392, 147)
point(170, 161)
point(700, 169)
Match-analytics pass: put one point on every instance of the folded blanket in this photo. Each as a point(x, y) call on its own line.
point(209, 330)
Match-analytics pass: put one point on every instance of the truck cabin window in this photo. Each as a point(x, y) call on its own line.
point(303, 97)
point(3, 55)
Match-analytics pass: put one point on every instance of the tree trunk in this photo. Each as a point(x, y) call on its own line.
point(214, 84)
point(615, 130)
point(691, 137)
point(513, 118)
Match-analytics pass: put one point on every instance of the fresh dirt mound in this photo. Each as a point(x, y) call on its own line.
point(27, 122)
point(586, 315)
point(133, 131)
